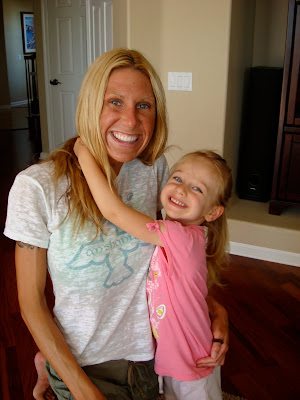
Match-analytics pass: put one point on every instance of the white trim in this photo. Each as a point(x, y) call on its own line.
point(19, 103)
point(46, 58)
point(94, 43)
point(89, 38)
point(266, 254)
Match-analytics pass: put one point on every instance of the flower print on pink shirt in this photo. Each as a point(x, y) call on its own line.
point(157, 309)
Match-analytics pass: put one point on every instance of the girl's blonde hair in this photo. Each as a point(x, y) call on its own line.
point(217, 239)
point(81, 204)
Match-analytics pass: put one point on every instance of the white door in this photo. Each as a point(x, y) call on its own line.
point(99, 28)
point(66, 46)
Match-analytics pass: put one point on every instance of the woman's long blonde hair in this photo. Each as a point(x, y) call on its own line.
point(217, 239)
point(81, 205)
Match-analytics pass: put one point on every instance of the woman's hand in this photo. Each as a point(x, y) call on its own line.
point(220, 330)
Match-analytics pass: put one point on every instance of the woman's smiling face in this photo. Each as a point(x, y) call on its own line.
point(128, 115)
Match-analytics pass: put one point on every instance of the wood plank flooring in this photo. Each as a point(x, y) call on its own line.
point(19, 148)
point(262, 300)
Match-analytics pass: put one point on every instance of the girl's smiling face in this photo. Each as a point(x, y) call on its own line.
point(191, 194)
point(128, 115)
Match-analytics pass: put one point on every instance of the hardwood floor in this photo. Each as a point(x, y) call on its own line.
point(262, 300)
point(19, 147)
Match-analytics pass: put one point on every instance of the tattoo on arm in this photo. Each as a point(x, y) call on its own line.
point(29, 246)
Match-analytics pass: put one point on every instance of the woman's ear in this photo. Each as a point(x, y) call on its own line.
point(214, 213)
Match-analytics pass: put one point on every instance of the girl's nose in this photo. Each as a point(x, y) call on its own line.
point(182, 189)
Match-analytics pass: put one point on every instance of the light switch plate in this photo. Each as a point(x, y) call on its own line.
point(180, 81)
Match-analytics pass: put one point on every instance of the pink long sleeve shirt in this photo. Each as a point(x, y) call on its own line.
point(176, 290)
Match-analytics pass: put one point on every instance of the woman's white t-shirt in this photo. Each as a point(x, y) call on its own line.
point(99, 286)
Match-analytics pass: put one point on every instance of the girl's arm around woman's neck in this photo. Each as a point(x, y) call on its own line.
point(110, 204)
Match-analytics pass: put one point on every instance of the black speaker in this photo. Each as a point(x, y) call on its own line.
point(259, 133)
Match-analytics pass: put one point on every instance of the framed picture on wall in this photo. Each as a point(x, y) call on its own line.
point(28, 35)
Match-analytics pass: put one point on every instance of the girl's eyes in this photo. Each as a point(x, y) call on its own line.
point(197, 189)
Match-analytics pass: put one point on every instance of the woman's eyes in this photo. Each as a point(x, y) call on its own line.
point(142, 106)
point(115, 102)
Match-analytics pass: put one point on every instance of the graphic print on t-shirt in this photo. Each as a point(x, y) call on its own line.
point(118, 256)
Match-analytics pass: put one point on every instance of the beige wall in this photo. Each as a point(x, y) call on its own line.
point(269, 33)
point(250, 223)
point(218, 41)
point(240, 60)
point(120, 24)
point(180, 36)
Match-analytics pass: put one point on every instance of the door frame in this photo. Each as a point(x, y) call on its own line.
point(46, 59)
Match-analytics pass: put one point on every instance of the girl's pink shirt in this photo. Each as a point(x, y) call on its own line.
point(176, 290)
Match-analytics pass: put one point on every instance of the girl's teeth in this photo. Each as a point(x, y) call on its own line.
point(177, 202)
point(125, 138)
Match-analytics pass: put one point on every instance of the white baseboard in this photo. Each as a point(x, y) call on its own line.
point(266, 254)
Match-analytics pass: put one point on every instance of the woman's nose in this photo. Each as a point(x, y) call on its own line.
point(130, 117)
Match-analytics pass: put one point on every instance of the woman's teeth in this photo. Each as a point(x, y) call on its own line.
point(125, 138)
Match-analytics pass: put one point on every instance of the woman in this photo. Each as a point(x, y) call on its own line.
point(98, 271)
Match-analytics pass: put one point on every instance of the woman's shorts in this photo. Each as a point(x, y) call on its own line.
point(117, 380)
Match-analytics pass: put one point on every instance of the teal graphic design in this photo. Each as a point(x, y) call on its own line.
point(112, 252)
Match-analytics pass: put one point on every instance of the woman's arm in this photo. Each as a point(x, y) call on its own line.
point(31, 269)
point(110, 204)
point(220, 330)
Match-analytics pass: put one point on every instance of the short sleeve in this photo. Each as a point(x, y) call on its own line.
point(162, 173)
point(27, 213)
point(183, 243)
point(153, 226)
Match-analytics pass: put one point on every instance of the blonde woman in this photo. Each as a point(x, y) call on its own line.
point(99, 343)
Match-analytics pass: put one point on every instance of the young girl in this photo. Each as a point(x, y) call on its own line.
point(185, 260)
